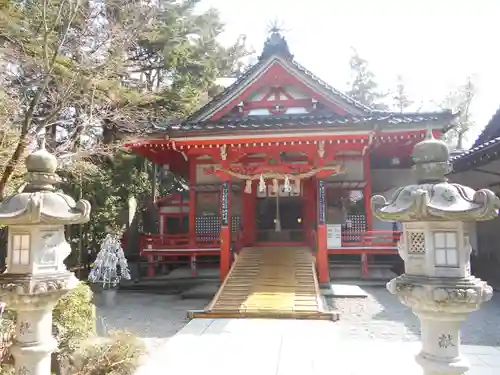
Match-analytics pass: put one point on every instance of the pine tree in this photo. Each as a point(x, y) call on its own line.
point(363, 86)
point(461, 100)
point(401, 98)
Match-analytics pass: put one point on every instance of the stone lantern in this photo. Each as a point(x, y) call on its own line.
point(437, 284)
point(36, 276)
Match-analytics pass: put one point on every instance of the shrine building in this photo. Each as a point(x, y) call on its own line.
point(479, 168)
point(282, 160)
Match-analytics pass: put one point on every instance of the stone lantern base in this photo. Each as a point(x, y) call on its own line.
point(441, 305)
point(33, 297)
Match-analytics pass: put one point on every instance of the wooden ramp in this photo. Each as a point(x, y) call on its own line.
point(273, 282)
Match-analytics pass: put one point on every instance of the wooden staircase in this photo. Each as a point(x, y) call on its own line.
point(270, 282)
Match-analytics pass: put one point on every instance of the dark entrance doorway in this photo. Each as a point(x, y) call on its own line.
point(290, 217)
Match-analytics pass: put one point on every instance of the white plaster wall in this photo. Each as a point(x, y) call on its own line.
point(295, 92)
point(259, 94)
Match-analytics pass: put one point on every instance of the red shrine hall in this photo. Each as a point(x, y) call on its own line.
point(280, 158)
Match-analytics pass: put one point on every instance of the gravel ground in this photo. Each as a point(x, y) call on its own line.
point(155, 318)
point(382, 316)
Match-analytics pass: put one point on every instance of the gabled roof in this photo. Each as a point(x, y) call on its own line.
point(490, 131)
point(276, 51)
point(485, 149)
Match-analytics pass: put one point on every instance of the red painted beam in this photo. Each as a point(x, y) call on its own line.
point(303, 138)
point(271, 104)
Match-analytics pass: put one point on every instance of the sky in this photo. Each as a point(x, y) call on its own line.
point(433, 44)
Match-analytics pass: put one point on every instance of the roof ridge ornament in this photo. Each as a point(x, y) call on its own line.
point(275, 44)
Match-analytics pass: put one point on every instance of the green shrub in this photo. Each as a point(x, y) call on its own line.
point(118, 354)
point(6, 369)
point(74, 319)
point(7, 331)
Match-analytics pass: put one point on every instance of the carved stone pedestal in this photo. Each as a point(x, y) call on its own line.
point(441, 306)
point(33, 299)
point(34, 342)
point(440, 352)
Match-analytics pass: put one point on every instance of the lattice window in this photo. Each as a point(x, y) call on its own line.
point(210, 226)
point(356, 225)
point(445, 249)
point(417, 243)
point(20, 244)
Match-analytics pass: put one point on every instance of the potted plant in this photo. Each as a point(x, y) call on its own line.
point(110, 266)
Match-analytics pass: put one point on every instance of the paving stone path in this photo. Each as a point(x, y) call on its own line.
point(380, 316)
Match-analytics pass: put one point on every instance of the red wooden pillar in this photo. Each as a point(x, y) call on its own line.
point(322, 251)
point(248, 216)
point(151, 266)
point(309, 203)
point(225, 229)
point(253, 214)
point(192, 203)
point(306, 222)
point(367, 193)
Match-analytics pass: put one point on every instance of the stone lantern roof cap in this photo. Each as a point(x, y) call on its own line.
point(432, 197)
point(40, 202)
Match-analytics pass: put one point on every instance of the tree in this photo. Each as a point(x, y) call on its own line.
point(86, 72)
point(400, 97)
point(66, 83)
point(461, 100)
point(363, 86)
point(89, 75)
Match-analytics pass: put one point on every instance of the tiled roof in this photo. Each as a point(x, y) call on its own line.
point(479, 155)
point(311, 120)
point(484, 150)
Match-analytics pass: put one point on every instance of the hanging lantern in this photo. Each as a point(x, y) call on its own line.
point(287, 187)
point(262, 184)
point(275, 186)
point(248, 186)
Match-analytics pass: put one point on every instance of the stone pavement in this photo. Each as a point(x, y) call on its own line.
point(288, 347)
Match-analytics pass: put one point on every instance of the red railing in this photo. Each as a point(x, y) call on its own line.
point(178, 241)
point(375, 241)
